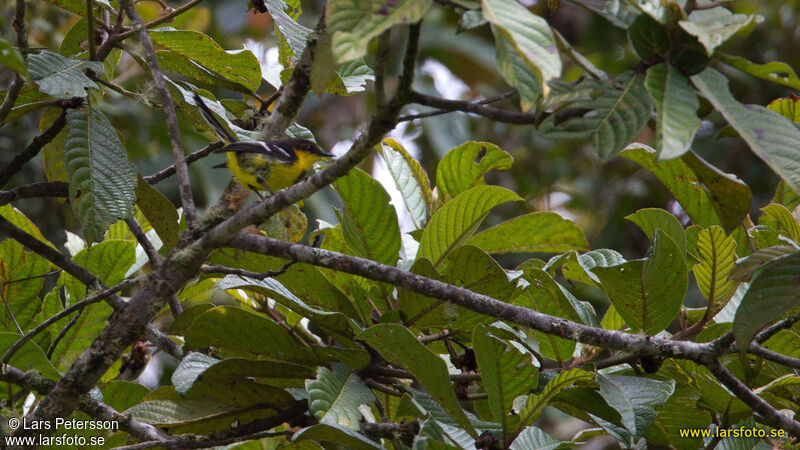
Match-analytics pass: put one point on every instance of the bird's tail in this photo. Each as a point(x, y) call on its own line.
point(212, 120)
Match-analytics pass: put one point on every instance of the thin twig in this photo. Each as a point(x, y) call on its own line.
point(156, 22)
point(144, 241)
point(191, 158)
point(22, 43)
point(90, 29)
point(247, 273)
point(184, 184)
point(439, 112)
point(489, 112)
point(35, 190)
point(8, 310)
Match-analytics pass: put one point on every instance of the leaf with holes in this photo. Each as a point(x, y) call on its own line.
point(465, 166)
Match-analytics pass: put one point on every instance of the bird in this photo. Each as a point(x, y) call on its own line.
point(268, 165)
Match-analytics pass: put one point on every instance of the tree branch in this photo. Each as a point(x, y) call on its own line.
point(22, 42)
point(32, 149)
point(770, 415)
point(439, 112)
point(497, 114)
point(99, 410)
point(163, 19)
point(191, 158)
point(35, 190)
point(178, 153)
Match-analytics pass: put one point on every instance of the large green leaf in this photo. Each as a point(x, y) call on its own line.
point(780, 219)
point(535, 403)
point(334, 323)
point(369, 222)
point(176, 62)
point(648, 293)
point(253, 334)
point(190, 367)
point(505, 371)
point(773, 292)
point(19, 219)
point(774, 71)
point(672, 418)
point(21, 279)
point(336, 434)
point(774, 138)
point(717, 253)
point(238, 66)
point(397, 344)
point(108, 261)
point(579, 267)
point(652, 219)
point(455, 222)
point(540, 232)
point(335, 396)
point(159, 211)
point(168, 413)
point(29, 357)
point(676, 105)
point(354, 23)
point(62, 77)
point(410, 179)
point(528, 35)
point(533, 438)
point(635, 398)
point(102, 182)
point(713, 28)
point(518, 72)
point(709, 196)
point(618, 110)
point(291, 35)
point(466, 165)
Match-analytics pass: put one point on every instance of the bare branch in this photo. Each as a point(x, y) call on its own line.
point(35, 190)
point(439, 112)
point(769, 414)
point(489, 112)
point(22, 42)
point(163, 19)
point(184, 185)
point(191, 158)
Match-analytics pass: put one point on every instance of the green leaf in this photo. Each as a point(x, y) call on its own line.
point(535, 403)
point(529, 36)
point(291, 35)
point(190, 367)
point(579, 267)
point(62, 77)
point(652, 219)
point(780, 219)
point(121, 395)
point(612, 320)
point(350, 78)
point(29, 357)
point(172, 413)
point(620, 13)
point(648, 293)
point(180, 64)
point(399, 346)
point(554, 303)
point(518, 71)
point(540, 232)
point(250, 333)
point(618, 110)
point(238, 66)
point(774, 71)
point(18, 218)
point(648, 38)
point(505, 371)
point(102, 181)
point(108, 261)
point(336, 434)
point(466, 165)
point(159, 211)
point(745, 269)
point(410, 179)
point(672, 418)
point(635, 398)
point(773, 292)
point(455, 222)
point(11, 58)
point(533, 438)
point(369, 222)
point(709, 196)
point(272, 372)
point(713, 29)
point(334, 323)
point(354, 23)
point(717, 260)
point(772, 137)
point(676, 105)
point(335, 396)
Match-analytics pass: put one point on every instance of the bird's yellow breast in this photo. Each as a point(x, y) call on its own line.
point(256, 171)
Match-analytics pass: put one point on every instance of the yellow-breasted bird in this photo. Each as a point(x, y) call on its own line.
point(264, 165)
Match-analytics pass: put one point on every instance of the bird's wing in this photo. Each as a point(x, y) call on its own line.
point(273, 150)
